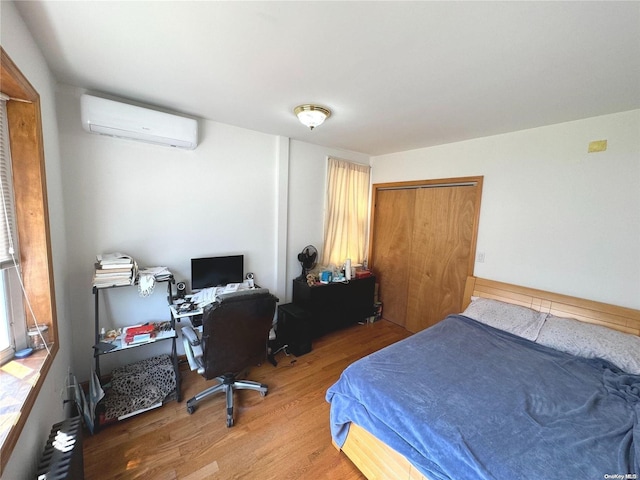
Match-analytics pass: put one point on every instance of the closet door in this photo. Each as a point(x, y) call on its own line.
point(442, 238)
point(422, 247)
point(394, 210)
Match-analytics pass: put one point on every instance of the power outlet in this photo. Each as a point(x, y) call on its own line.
point(480, 257)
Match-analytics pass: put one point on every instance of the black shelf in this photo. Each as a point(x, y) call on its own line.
point(166, 335)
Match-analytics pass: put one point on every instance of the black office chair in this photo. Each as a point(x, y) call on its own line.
point(235, 331)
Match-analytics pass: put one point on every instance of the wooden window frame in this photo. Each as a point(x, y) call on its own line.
point(32, 222)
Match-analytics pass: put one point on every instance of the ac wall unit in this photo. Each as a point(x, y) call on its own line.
point(116, 119)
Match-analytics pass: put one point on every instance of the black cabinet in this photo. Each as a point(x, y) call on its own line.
point(335, 305)
point(294, 328)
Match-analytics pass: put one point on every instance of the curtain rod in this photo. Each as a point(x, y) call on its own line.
point(6, 98)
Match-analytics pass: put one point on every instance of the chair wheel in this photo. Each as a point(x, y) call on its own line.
point(190, 409)
point(263, 394)
point(229, 422)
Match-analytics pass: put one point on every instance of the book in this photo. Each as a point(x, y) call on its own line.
point(231, 287)
point(111, 283)
point(114, 268)
point(111, 278)
point(105, 276)
point(115, 258)
point(138, 334)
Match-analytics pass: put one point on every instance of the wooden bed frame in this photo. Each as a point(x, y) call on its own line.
point(376, 460)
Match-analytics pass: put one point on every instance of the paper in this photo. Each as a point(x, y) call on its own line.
point(95, 395)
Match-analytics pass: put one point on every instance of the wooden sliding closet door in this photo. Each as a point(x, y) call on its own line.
point(441, 248)
point(391, 255)
point(423, 246)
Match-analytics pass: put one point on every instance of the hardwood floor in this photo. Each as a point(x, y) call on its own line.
point(284, 435)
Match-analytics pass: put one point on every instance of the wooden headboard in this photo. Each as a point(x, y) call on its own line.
point(618, 318)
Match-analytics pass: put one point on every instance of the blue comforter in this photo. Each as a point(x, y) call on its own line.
point(462, 400)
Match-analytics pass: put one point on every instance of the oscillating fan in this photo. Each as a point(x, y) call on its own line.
point(308, 259)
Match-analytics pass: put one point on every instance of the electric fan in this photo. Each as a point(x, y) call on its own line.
point(308, 259)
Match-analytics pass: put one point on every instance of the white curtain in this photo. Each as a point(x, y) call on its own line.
point(345, 227)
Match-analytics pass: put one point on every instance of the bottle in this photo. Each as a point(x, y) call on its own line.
point(38, 337)
point(347, 269)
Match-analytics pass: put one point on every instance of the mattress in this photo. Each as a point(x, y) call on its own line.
point(463, 400)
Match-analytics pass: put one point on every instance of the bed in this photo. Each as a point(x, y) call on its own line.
point(470, 399)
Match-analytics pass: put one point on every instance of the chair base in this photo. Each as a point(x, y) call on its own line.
point(228, 383)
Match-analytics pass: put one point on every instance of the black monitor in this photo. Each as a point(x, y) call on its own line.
point(216, 271)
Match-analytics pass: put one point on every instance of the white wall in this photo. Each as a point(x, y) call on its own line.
point(165, 206)
point(553, 216)
point(48, 408)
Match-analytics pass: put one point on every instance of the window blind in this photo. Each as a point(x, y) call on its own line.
point(7, 215)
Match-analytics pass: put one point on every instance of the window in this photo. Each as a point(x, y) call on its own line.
point(7, 344)
point(33, 253)
point(12, 324)
point(13, 329)
point(346, 215)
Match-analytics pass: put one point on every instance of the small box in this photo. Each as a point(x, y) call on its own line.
point(294, 328)
point(326, 276)
point(363, 273)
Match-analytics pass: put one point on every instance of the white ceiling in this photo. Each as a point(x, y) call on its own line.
point(397, 75)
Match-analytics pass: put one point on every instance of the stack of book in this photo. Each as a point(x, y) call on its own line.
point(113, 269)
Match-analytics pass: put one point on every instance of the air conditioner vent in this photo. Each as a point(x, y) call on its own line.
point(116, 119)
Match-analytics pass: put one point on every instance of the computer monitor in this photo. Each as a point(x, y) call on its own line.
point(216, 271)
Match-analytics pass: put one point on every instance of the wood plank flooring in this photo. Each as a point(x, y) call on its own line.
point(284, 435)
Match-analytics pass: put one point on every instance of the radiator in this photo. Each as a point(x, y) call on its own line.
point(62, 455)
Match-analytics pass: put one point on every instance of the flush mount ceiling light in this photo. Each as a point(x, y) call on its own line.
point(311, 115)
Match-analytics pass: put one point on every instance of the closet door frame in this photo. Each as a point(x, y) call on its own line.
point(476, 181)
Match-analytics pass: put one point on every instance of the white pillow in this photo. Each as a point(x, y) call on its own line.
point(592, 341)
point(522, 321)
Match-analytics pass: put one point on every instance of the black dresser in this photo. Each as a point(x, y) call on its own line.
point(320, 309)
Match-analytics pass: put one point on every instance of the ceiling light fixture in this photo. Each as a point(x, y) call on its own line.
point(311, 115)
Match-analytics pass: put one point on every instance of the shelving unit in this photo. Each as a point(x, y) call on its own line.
point(164, 335)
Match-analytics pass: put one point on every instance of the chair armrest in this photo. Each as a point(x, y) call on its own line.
point(191, 335)
point(193, 349)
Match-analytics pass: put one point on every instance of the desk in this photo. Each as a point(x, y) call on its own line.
point(206, 297)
